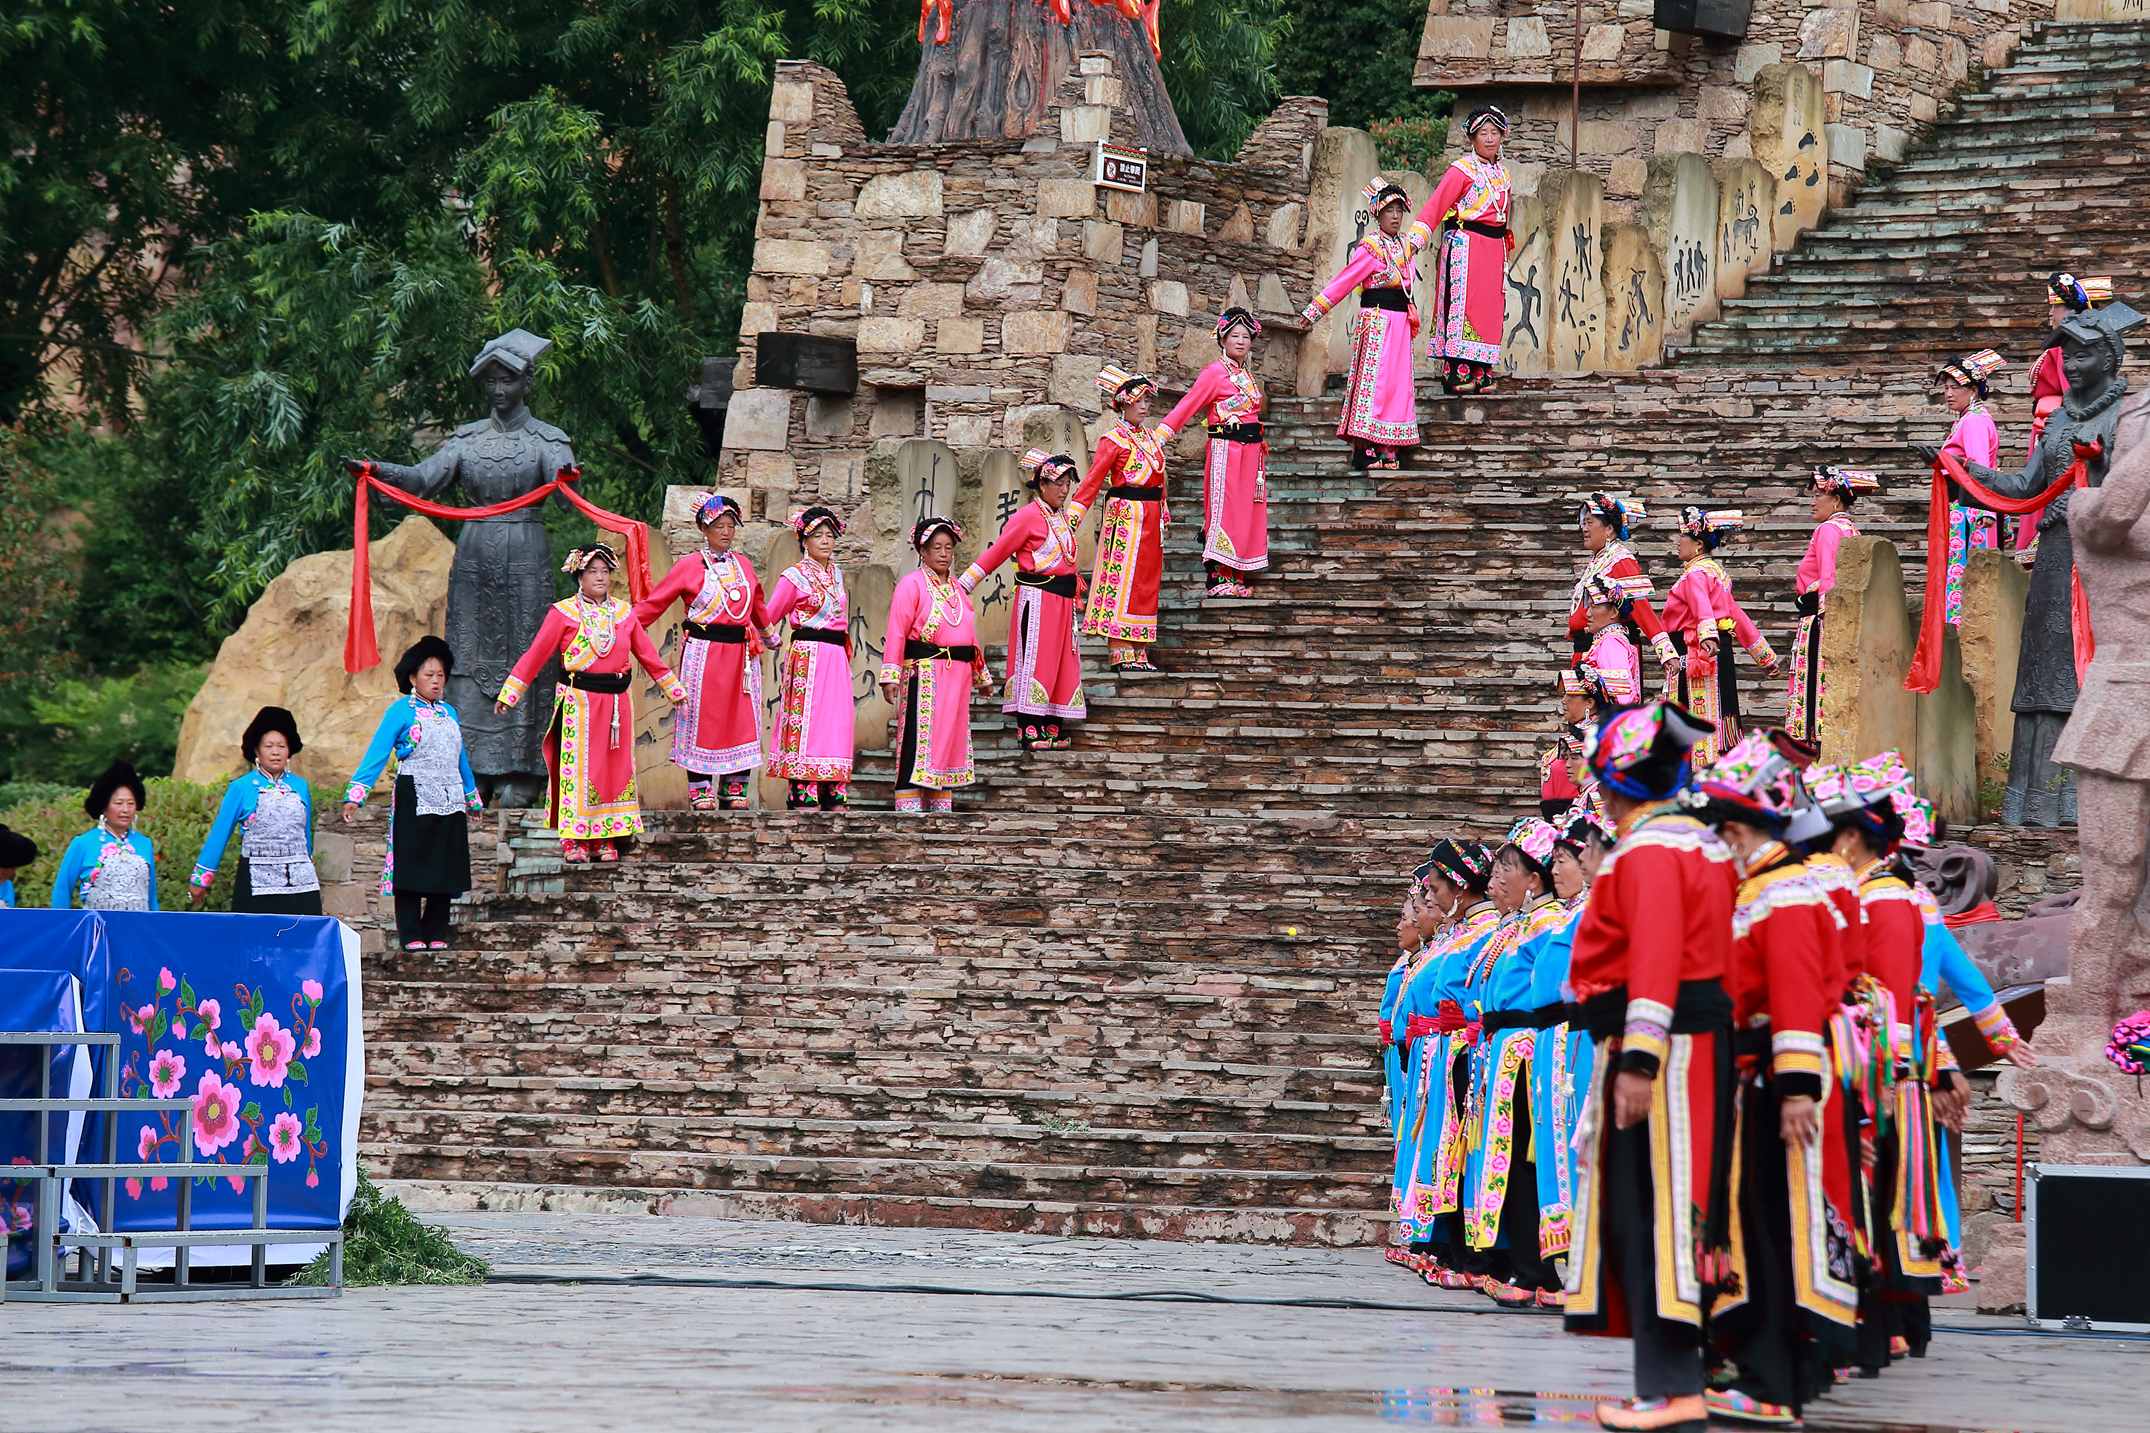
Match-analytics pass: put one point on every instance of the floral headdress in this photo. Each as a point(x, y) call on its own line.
point(2076, 294)
point(711, 506)
point(1379, 193)
point(922, 531)
point(1237, 317)
point(1641, 752)
point(1041, 466)
point(1465, 863)
point(1752, 783)
point(1118, 385)
point(804, 521)
point(1621, 592)
point(1534, 838)
point(1615, 510)
point(1572, 684)
point(1581, 823)
point(1972, 370)
point(1711, 527)
point(580, 559)
point(1917, 814)
point(1846, 483)
point(2129, 1047)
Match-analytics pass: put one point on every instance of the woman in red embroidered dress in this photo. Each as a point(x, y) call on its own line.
point(1708, 625)
point(1380, 403)
point(1131, 531)
point(1235, 488)
point(718, 728)
point(930, 660)
point(1044, 665)
point(1470, 275)
point(590, 747)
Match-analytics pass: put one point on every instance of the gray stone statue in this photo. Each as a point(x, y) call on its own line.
point(502, 580)
point(2041, 791)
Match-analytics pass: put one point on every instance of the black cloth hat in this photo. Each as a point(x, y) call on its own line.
point(16, 849)
point(118, 774)
point(426, 647)
point(266, 720)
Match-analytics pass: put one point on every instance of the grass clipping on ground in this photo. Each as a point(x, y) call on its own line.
point(383, 1243)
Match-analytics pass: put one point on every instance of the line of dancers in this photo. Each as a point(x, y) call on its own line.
point(1669, 1064)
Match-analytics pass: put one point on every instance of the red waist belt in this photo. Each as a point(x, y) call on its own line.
point(1419, 1025)
point(1386, 1038)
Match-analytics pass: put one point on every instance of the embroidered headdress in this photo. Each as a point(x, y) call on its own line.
point(1621, 592)
point(1615, 510)
point(1465, 863)
point(579, 560)
point(1711, 528)
point(922, 531)
point(1571, 683)
point(1641, 752)
point(1863, 796)
point(1752, 783)
point(1379, 193)
point(1418, 877)
point(1118, 385)
point(2076, 294)
point(1581, 823)
point(804, 521)
point(1972, 370)
point(1041, 466)
point(1237, 317)
point(1483, 116)
point(1534, 838)
point(1917, 814)
point(711, 506)
point(1846, 483)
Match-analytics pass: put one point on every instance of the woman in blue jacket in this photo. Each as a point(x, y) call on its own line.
point(111, 866)
point(274, 813)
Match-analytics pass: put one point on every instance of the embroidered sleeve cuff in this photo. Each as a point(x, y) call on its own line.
point(891, 672)
point(473, 802)
point(1319, 308)
point(1999, 1030)
point(1645, 1035)
point(972, 576)
point(1418, 236)
point(1075, 511)
point(1945, 1057)
point(1666, 652)
point(1795, 1052)
point(511, 690)
point(203, 876)
point(354, 794)
point(1762, 652)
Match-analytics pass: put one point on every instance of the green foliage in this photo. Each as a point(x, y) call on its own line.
point(1359, 55)
point(384, 1243)
point(176, 820)
point(1220, 67)
point(1411, 142)
point(82, 725)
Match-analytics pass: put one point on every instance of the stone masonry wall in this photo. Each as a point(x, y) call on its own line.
point(1886, 69)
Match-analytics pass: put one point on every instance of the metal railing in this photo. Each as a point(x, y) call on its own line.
point(95, 1279)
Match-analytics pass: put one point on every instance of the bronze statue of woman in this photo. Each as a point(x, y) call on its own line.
point(502, 580)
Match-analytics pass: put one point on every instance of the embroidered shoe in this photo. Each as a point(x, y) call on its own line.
point(1899, 1346)
point(699, 799)
point(574, 851)
point(607, 851)
point(1062, 741)
point(1451, 1279)
point(414, 945)
point(1680, 1415)
point(1735, 1407)
point(437, 945)
point(1552, 1299)
point(1508, 1296)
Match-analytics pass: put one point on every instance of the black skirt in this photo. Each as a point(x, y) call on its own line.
point(431, 853)
point(281, 903)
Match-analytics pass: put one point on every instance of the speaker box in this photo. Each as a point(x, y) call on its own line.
point(2088, 1239)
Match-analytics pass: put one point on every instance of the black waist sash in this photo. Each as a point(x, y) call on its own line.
point(1060, 584)
point(1494, 1021)
point(832, 635)
point(1236, 432)
point(608, 683)
point(1702, 1006)
point(917, 651)
point(1752, 1040)
point(1545, 1017)
point(1135, 494)
point(731, 632)
point(1395, 300)
point(1488, 231)
point(1810, 604)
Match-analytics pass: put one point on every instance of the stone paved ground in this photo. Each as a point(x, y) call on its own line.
point(807, 1327)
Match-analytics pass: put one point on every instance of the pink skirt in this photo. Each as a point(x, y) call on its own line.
point(1381, 405)
point(1235, 505)
point(814, 725)
point(1044, 664)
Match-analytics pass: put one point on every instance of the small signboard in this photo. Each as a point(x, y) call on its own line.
point(1119, 168)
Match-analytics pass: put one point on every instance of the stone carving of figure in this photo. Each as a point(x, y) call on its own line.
point(502, 582)
point(2041, 791)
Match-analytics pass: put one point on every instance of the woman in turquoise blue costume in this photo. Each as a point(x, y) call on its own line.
point(111, 866)
point(16, 851)
point(1560, 1065)
point(435, 796)
point(1429, 1021)
point(273, 811)
point(1416, 930)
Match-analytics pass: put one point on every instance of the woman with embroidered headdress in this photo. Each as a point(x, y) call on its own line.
point(716, 731)
point(1708, 626)
point(111, 866)
point(1235, 487)
point(1129, 470)
point(1606, 520)
point(1380, 403)
point(1044, 664)
point(2066, 296)
point(1469, 208)
point(432, 800)
point(1611, 671)
point(1972, 439)
point(590, 747)
point(273, 811)
point(930, 661)
point(1830, 494)
point(816, 733)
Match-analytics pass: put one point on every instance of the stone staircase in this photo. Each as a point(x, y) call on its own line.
point(2046, 168)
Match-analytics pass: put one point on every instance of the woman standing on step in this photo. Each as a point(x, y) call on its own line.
point(1470, 261)
point(1831, 494)
point(1973, 439)
point(273, 811)
point(1708, 625)
point(930, 661)
point(1606, 520)
point(816, 734)
point(111, 866)
point(1131, 531)
point(1235, 487)
point(1380, 403)
point(434, 797)
point(1612, 669)
point(1044, 664)
point(717, 730)
point(590, 747)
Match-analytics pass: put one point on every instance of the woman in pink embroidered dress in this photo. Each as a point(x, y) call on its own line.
point(930, 661)
point(1235, 486)
point(1708, 626)
point(1972, 439)
point(1131, 528)
point(717, 730)
point(1044, 665)
point(815, 728)
point(1380, 403)
point(1612, 667)
point(1832, 493)
point(1470, 275)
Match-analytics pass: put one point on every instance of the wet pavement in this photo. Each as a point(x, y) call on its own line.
point(629, 1322)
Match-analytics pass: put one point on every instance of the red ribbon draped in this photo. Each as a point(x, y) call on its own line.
point(1925, 672)
point(1979, 914)
point(361, 649)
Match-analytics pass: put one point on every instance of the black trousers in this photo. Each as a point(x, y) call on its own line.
point(421, 916)
point(1668, 1355)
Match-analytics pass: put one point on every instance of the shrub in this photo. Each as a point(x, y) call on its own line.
point(1411, 141)
point(82, 725)
point(383, 1243)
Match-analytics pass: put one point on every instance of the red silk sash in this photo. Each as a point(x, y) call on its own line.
point(361, 649)
point(1979, 914)
point(1925, 672)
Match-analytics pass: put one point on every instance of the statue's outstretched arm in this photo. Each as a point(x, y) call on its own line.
point(427, 478)
point(2029, 482)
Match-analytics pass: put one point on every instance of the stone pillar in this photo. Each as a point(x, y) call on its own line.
point(1574, 215)
point(1530, 279)
point(1790, 142)
point(1995, 589)
point(1634, 283)
point(1747, 200)
point(1680, 207)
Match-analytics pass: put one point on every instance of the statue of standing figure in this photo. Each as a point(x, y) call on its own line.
point(502, 581)
point(2042, 791)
